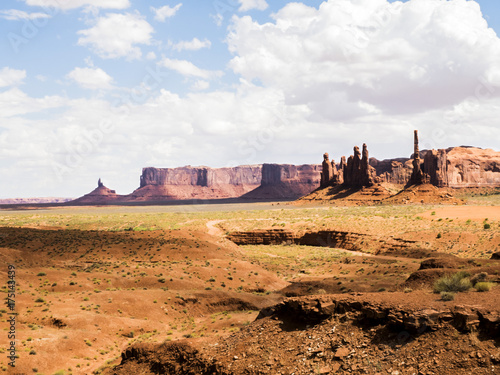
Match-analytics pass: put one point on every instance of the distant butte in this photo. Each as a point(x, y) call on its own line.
point(455, 167)
point(100, 195)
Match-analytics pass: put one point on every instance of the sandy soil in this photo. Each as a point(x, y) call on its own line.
point(84, 297)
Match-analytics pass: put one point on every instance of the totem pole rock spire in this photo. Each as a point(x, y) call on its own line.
point(417, 176)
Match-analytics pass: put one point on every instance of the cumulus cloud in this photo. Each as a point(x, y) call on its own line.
point(16, 15)
point(161, 14)
point(346, 57)
point(187, 68)
point(15, 102)
point(192, 45)
point(311, 80)
point(247, 5)
point(117, 35)
point(201, 85)
point(11, 77)
point(91, 78)
point(72, 4)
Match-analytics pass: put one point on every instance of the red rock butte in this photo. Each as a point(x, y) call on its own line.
point(455, 167)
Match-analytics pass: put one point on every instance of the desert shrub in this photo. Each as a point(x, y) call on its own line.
point(439, 235)
point(447, 296)
point(40, 299)
point(408, 290)
point(486, 226)
point(483, 286)
point(458, 282)
point(477, 278)
point(41, 274)
point(345, 260)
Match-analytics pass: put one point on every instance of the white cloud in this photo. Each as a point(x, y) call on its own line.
point(247, 5)
point(91, 78)
point(72, 4)
point(218, 19)
point(151, 56)
point(161, 14)
point(312, 80)
point(393, 57)
point(117, 35)
point(201, 85)
point(16, 15)
point(187, 68)
point(192, 45)
point(11, 77)
point(15, 102)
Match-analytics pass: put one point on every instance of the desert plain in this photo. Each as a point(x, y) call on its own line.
point(253, 288)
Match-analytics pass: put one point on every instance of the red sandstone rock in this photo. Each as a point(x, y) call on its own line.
point(286, 181)
point(417, 176)
point(100, 195)
point(327, 174)
point(358, 172)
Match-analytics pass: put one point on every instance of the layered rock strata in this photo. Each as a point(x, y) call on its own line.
point(286, 181)
point(455, 167)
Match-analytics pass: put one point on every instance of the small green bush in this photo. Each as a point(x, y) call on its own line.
point(487, 226)
point(458, 282)
point(41, 274)
point(40, 299)
point(483, 286)
point(447, 296)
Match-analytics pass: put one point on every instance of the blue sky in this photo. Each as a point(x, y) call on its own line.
point(102, 88)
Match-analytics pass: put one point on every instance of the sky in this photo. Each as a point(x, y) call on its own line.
point(102, 88)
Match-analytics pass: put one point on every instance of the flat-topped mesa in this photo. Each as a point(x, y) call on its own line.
point(201, 176)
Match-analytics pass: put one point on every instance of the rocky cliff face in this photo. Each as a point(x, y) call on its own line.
point(286, 181)
point(455, 167)
point(464, 167)
point(202, 176)
point(395, 171)
point(196, 183)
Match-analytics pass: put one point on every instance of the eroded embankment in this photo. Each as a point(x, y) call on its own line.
point(358, 334)
point(332, 238)
point(313, 310)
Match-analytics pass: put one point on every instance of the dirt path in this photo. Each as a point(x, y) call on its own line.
point(213, 230)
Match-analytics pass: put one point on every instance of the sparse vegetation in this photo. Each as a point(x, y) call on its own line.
point(447, 296)
point(483, 286)
point(115, 267)
point(458, 282)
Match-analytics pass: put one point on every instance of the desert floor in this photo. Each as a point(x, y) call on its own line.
point(94, 281)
